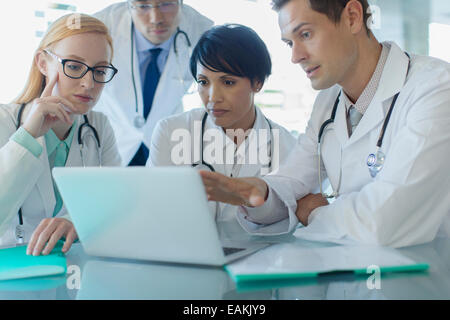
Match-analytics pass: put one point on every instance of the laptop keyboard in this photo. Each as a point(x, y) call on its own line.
point(227, 251)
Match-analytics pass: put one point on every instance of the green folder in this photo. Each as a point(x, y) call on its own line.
point(16, 264)
point(284, 262)
point(419, 267)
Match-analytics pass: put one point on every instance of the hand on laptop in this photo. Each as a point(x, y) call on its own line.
point(250, 192)
point(49, 231)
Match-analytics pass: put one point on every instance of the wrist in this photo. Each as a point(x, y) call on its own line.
point(30, 130)
point(264, 189)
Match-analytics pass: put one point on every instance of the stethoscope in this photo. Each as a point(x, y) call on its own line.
point(20, 232)
point(209, 166)
point(202, 161)
point(139, 120)
point(375, 161)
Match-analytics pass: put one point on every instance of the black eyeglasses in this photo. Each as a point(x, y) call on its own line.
point(76, 69)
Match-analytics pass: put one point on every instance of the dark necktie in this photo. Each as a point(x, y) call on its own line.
point(149, 88)
point(151, 81)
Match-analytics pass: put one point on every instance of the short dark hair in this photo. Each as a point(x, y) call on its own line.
point(233, 49)
point(331, 8)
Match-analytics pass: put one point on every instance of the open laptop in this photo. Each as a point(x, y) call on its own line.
point(158, 214)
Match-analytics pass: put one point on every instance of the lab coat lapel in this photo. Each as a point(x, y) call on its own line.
point(340, 123)
point(373, 116)
point(251, 170)
point(122, 43)
point(391, 83)
point(263, 145)
point(45, 182)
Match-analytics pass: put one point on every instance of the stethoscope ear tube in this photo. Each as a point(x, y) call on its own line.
point(19, 116)
point(132, 68)
point(80, 130)
point(322, 128)
point(179, 31)
point(202, 161)
point(386, 121)
point(331, 120)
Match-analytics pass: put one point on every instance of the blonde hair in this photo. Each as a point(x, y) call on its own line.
point(66, 26)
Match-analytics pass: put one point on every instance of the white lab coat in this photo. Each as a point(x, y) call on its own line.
point(166, 139)
point(118, 99)
point(26, 181)
point(408, 202)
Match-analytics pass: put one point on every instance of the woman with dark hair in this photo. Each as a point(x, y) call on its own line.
point(230, 135)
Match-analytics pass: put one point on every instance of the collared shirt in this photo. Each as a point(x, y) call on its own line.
point(57, 152)
point(53, 144)
point(143, 47)
point(368, 94)
point(241, 152)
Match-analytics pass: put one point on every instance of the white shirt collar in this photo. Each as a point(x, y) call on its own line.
point(370, 90)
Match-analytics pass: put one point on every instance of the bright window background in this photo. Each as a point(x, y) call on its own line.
point(440, 41)
point(418, 26)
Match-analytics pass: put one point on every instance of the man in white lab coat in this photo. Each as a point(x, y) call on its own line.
point(385, 152)
point(153, 76)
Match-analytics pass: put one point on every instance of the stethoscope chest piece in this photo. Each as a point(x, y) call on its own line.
point(139, 121)
point(375, 163)
point(19, 234)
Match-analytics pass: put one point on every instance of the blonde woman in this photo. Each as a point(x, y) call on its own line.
point(51, 124)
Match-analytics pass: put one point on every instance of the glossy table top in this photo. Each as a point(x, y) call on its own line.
point(100, 278)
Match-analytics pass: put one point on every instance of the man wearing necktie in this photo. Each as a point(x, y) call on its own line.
point(152, 78)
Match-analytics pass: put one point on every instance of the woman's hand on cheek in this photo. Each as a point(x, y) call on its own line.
point(47, 110)
point(48, 233)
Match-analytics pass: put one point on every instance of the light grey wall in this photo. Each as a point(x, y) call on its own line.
point(407, 21)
